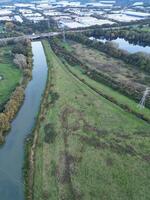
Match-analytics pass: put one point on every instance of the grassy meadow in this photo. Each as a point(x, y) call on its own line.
point(88, 148)
point(10, 75)
point(100, 87)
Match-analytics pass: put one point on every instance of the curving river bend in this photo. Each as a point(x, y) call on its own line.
point(12, 152)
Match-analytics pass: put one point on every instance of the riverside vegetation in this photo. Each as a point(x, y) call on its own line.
point(134, 35)
point(14, 80)
point(85, 146)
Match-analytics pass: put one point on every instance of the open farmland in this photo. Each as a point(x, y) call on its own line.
point(9, 75)
point(87, 147)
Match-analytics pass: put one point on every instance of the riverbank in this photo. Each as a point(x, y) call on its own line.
point(31, 141)
point(16, 99)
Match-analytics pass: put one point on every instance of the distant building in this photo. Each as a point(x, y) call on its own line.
point(128, 2)
point(137, 14)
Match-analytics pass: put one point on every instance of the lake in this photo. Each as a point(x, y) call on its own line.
point(125, 45)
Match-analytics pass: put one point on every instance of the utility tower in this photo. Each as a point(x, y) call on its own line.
point(143, 100)
point(64, 36)
point(62, 28)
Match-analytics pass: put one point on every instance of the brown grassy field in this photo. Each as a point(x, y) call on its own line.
point(115, 68)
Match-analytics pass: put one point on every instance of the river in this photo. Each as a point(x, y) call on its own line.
point(12, 152)
point(125, 45)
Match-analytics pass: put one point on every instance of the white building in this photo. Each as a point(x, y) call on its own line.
point(136, 14)
point(4, 12)
point(18, 18)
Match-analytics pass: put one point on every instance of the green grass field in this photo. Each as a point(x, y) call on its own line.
point(10, 75)
point(104, 89)
point(88, 148)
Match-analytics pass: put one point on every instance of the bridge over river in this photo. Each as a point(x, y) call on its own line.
point(40, 36)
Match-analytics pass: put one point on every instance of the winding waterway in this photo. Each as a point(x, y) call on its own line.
point(12, 152)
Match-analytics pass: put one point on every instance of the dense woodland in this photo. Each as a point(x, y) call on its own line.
point(11, 29)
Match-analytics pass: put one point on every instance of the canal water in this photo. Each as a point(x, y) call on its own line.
point(12, 152)
point(125, 45)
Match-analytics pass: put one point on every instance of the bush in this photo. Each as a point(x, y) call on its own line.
point(54, 97)
point(50, 133)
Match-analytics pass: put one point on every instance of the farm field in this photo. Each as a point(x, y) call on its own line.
point(87, 147)
point(10, 76)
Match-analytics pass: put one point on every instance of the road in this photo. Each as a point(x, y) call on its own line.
point(51, 34)
point(38, 36)
point(31, 37)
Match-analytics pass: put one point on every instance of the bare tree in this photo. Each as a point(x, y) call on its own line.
point(20, 60)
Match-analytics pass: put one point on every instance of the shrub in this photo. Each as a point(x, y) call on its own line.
point(50, 133)
point(54, 97)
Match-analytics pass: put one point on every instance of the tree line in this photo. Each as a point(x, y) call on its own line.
point(135, 36)
point(23, 59)
point(11, 29)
